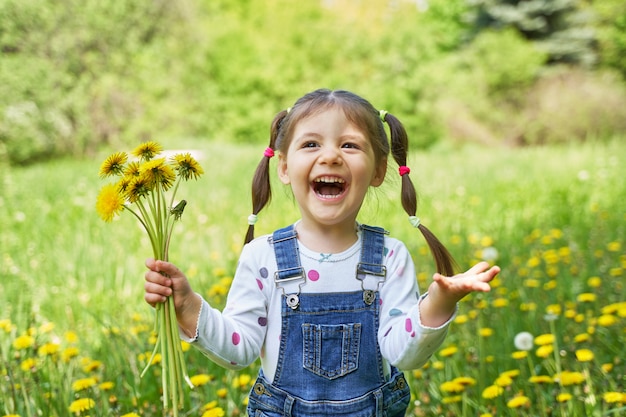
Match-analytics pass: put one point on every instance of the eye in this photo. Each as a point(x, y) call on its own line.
point(350, 145)
point(309, 144)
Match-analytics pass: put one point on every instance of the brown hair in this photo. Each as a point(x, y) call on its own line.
point(362, 114)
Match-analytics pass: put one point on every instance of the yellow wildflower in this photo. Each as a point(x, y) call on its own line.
point(567, 378)
point(582, 337)
point(449, 351)
point(109, 203)
point(607, 320)
point(157, 172)
point(452, 400)
point(519, 354)
point(214, 412)
point(492, 391)
point(130, 415)
point(614, 246)
point(519, 401)
point(147, 150)
point(82, 404)
point(486, 332)
point(69, 353)
point(200, 379)
point(612, 397)
point(584, 355)
point(28, 364)
point(586, 297)
point(540, 379)
point(221, 393)
point(23, 342)
point(114, 164)
point(544, 339)
point(452, 386)
point(106, 386)
point(594, 282)
point(187, 166)
point(48, 349)
point(84, 383)
point(544, 351)
point(564, 397)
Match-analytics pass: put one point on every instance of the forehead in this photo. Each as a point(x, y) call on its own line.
point(326, 120)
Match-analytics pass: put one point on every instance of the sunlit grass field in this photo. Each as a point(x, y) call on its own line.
point(75, 332)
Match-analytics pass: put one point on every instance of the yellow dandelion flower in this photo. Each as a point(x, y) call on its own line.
point(12, 415)
point(109, 203)
point(69, 353)
point(157, 172)
point(519, 401)
point(540, 379)
point(616, 272)
point(594, 282)
point(209, 405)
point(486, 415)
point(214, 412)
point(71, 337)
point(503, 381)
point(147, 150)
point(461, 319)
point(222, 393)
point(139, 187)
point(449, 351)
point(452, 400)
point(465, 380)
point(438, 365)
point(613, 397)
point(6, 325)
point(114, 164)
point(82, 404)
point(544, 351)
point(586, 297)
point(564, 397)
point(84, 383)
point(492, 391)
point(584, 355)
point(23, 342)
point(200, 379)
point(552, 284)
point(512, 373)
point(532, 283)
point(452, 386)
point(91, 365)
point(130, 415)
point(607, 320)
point(485, 332)
point(544, 339)
point(48, 349)
point(133, 169)
point(606, 367)
point(500, 302)
point(567, 378)
point(614, 246)
point(28, 364)
point(106, 386)
point(519, 354)
point(582, 337)
point(187, 166)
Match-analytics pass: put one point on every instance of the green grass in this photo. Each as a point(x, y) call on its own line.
point(556, 217)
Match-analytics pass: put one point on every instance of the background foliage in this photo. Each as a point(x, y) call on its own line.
point(78, 75)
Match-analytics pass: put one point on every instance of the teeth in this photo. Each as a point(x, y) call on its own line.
point(330, 180)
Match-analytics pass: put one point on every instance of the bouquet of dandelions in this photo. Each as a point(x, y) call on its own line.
point(142, 190)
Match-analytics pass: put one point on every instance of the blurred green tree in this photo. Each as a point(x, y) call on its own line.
point(562, 28)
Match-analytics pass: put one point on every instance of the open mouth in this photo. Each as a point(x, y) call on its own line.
point(329, 187)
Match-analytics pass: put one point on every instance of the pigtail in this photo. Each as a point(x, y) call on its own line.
point(399, 150)
point(261, 188)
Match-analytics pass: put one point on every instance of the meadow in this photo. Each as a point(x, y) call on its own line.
point(548, 340)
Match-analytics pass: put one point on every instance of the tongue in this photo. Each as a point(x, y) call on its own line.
point(329, 189)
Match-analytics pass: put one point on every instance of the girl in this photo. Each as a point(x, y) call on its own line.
point(330, 305)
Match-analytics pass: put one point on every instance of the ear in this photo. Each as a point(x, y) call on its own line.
point(379, 173)
point(283, 172)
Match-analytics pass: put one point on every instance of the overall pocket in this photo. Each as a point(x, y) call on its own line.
point(331, 351)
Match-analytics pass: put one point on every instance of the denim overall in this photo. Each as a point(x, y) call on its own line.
point(329, 360)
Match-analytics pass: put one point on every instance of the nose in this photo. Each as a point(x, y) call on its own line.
point(330, 155)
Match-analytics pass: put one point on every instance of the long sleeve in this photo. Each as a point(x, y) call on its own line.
point(403, 340)
point(233, 338)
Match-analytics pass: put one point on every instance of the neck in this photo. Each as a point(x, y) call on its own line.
point(327, 239)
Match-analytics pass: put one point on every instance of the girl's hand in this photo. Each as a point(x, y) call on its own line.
point(164, 279)
point(445, 292)
point(453, 289)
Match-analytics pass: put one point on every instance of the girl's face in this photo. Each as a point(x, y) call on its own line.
point(330, 165)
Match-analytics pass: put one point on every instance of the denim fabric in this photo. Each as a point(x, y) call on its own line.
point(329, 360)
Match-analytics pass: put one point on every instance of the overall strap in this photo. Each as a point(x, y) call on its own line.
point(372, 259)
point(287, 255)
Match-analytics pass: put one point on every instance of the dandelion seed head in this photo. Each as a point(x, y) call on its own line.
point(523, 341)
